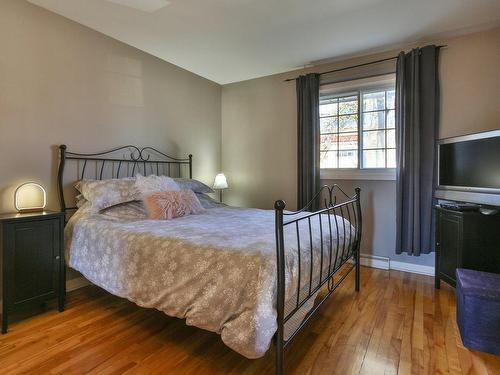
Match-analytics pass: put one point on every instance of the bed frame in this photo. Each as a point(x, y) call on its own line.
point(337, 204)
point(127, 161)
point(120, 162)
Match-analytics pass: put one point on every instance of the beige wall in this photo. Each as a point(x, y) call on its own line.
point(259, 131)
point(259, 141)
point(470, 84)
point(61, 82)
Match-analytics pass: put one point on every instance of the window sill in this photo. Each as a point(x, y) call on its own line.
point(358, 174)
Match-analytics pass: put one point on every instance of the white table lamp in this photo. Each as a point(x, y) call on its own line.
point(30, 197)
point(220, 183)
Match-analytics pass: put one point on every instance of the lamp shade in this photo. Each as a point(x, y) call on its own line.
point(30, 196)
point(220, 182)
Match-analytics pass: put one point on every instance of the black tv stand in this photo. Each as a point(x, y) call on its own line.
point(465, 239)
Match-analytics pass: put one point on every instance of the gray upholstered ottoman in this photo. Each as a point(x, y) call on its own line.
point(478, 309)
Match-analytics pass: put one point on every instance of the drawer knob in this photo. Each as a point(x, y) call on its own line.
point(58, 257)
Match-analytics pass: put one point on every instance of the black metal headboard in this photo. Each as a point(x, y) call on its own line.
point(125, 161)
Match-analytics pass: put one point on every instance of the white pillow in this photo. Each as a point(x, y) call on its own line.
point(154, 184)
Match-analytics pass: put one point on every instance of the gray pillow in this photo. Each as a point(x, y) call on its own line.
point(208, 202)
point(106, 193)
point(194, 185)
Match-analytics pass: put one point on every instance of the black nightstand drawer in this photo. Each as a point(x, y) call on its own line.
point(32, 260)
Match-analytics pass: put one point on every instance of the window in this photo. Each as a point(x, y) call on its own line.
point(358, 129)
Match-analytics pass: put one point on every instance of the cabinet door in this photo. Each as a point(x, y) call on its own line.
point(450, 229)
point(33, 256)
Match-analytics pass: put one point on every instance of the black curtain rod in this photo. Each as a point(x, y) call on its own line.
point(358, 65)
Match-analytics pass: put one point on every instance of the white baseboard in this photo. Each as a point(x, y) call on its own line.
point(385, 263)
point(77, 283)
point(374, 261)
point(413, 268)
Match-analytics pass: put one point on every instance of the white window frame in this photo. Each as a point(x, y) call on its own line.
point(368, 84)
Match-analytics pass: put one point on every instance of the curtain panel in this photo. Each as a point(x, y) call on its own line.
point(417, 117)
point(308, 139)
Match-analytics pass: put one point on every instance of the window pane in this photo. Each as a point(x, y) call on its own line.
point(348, 159)
point(348, 105)
point(328, 142)
point(374, 101)
point(348, 123)
point(390, 99)
point(374, 159)
point(328, 108)
point(328, 159)
point(391, 138)
point(373, 120)
point(374, 139)
point(340, 129)
point(329, 124)
point(391, 158)
point(391, 121)
point(348, 141)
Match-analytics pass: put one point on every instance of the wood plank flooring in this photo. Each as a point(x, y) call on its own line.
point(397, 324)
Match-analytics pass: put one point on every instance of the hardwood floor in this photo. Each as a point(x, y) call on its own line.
point(396, 324)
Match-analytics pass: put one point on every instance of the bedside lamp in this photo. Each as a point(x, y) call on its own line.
point(220, 183)
point(30, 197)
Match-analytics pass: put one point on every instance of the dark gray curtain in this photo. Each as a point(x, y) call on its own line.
point(417, 115)
point(308, 139)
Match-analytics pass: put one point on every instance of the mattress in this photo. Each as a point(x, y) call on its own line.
point(217, 270)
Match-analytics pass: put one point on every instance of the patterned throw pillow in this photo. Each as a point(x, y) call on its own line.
point(107, 193)
point(168, 205)
point(154, 184)
point(194, 185)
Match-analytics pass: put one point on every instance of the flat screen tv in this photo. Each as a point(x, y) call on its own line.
point(469, 168)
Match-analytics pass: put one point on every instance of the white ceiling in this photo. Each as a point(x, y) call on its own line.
point(234, 40)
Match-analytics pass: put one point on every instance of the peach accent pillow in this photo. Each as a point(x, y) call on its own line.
point(170, 204)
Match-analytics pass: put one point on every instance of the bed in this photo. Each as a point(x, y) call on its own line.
point(250, 275)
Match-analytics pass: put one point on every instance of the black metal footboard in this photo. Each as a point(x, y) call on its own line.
point(322, 242)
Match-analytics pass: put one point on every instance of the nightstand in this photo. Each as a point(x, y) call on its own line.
point(32, 260)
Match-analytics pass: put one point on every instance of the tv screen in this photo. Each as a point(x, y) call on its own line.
point(472, 163)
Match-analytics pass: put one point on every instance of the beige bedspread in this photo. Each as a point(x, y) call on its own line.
point(217, 270)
